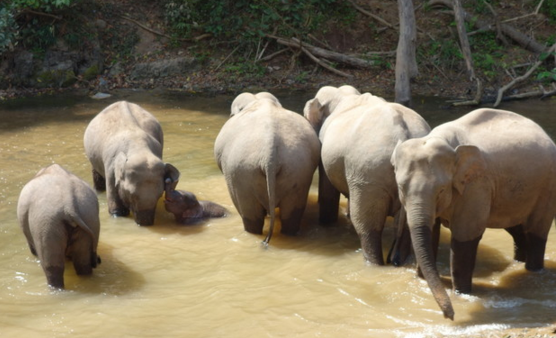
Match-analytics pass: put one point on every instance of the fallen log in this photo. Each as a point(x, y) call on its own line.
point(323, 53)
point(521, 78)
point(523, 40)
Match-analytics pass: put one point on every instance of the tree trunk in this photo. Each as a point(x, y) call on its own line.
point(464, 41)
point(406, 64)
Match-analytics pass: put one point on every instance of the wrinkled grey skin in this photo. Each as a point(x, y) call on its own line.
point(188, 210)
point(268, 156)
point(358, 133)
point(488, 169)
point(124, 144)
point(58, 213)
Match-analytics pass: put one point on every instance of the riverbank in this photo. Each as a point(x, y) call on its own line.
point(123, 50)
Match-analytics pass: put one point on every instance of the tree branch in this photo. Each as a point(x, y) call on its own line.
point(377, 18)
point(520, 78)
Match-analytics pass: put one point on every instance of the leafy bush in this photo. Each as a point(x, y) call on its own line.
point(36, 32)
point(247, 19)
point(8, 30)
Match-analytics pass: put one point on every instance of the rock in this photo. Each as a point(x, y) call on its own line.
point(164, 68)
point(100, 96)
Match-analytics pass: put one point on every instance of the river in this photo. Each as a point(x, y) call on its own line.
point(216, 280)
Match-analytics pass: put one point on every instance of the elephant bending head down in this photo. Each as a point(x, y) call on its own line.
point(268, 156)
point(124, 144)
point(490, 168)
point(58, 213)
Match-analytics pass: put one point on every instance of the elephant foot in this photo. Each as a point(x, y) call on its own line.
point(121, 212)
point(371, 243)
point(520, 242)
point(253, 227)
point(535, 253)
point(55, 276)
point(292, 224)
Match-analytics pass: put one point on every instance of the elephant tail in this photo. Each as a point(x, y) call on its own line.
point(270, 170)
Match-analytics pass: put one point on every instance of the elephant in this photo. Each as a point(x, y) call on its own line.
point(358, 133)
point(268, 156)
point(58, 213)
point(487, 169)
point(188, 210)
point(124, 144)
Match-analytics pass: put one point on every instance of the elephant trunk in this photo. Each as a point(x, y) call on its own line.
point(421, 236)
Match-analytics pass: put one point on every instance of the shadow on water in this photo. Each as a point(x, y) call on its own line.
point(520, 296)
point(111, 277)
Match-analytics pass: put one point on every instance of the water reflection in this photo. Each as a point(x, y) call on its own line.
point(214, 279)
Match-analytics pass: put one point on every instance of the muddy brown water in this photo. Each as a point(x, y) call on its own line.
point(216, 280)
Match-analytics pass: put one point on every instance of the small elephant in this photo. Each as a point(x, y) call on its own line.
point(124, 144)
point(488, 169)
point(188, 210)
point(58, 213)
point(268, 156)
point(359, 133)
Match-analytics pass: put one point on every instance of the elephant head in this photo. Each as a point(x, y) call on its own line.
point(244, 99)
point(183, 204)
point(140, 184)
point(430, 173)
point(325, 102)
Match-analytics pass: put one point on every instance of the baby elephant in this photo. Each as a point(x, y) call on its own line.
point(188, 210)
point(58, 213)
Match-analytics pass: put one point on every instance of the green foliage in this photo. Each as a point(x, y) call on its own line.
point(36, 31)
point(8, 30)
point(547, 75)
point(549, 8)
point(487, 54)
point(243, 67)
point(249, 20)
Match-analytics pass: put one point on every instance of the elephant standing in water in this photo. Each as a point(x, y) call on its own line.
point(268, 156)
point(490, 168)
point(58, 213)
point(359, 133)
point(124, 144)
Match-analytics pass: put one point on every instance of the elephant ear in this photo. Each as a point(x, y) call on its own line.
point(470, 164)
point(314, 112)
point(119, 168)
point(171, 177)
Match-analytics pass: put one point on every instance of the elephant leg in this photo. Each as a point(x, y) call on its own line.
point(462, 261)
point(401, 246)
point(329, 199)
point(252, 213)
point(116, 206)
point(535, 252)
point(368, 215)
point(291, 212)
point(520, 242)
point(51, 249)
point(82, 252)
point(98, 181)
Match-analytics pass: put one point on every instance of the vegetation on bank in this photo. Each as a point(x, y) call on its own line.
point(245, 35)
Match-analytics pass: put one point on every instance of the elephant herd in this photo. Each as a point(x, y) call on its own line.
point(488, 169)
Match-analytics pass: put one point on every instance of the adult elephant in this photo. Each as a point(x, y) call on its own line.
point(268, 156)
point(490, 168)
point(124, 144)
point(359, 133)
point(58, 213)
